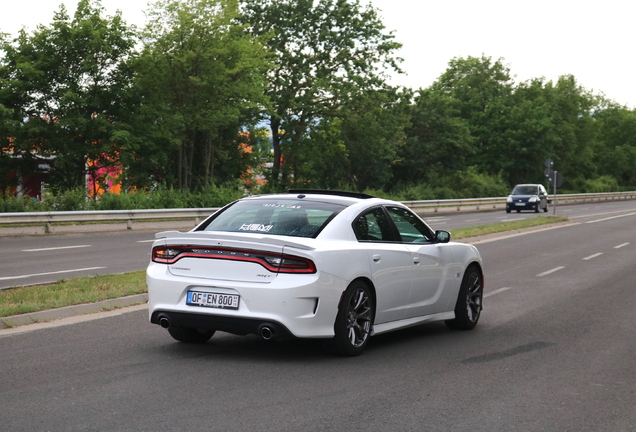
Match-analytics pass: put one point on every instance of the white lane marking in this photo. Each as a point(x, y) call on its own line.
point(550, 271)
point(592, 256)
point(50, 273)
point(612, 217)
point(497, 291)
point(513, 220)
point(145, 241)
point(55, 248)
point(437, 218)
point(621, 245)
point(597, 214)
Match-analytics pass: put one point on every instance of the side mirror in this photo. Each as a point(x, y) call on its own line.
point(442, 236)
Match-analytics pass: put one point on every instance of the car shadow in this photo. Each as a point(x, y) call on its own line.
point(232, 347)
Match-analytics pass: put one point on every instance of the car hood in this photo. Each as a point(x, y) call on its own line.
point(522, 196)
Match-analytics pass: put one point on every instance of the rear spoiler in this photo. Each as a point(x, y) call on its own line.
point(296, 242)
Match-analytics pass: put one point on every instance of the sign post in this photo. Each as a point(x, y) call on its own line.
point(555, 179)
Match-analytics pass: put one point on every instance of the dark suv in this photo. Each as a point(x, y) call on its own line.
point(527, 197)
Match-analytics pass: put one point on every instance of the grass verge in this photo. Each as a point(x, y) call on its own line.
point(68, 292)
point(461, 233)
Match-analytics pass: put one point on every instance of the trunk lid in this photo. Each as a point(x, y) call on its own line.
point(226, 256)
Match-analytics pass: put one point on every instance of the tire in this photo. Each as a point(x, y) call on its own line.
point(507, 210)
point(545, 210)
point(536, 209)
point(355, 317)
point(190, 335)
point(469, 301)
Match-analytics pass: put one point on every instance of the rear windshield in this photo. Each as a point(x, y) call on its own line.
point(290, 217)
point(524, 190)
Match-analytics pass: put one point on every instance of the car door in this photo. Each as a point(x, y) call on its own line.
point(389, 263)
point(431, 264)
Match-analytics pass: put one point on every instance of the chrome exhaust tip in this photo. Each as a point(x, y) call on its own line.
point(267, 333)
point(164, 322)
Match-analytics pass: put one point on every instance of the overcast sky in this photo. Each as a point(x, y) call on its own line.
point(592, 40)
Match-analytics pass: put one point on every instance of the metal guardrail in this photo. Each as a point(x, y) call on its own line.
point(500, 202)
point(130, 216)
point(48, 218)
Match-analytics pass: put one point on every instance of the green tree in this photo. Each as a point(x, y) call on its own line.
point(438, 140)
point(482, 88)
point(574, 131)
point(373, 131)
point(615, 151)
point(528, 134)
point(326, 52)
point(66, 88)
point(200, 77)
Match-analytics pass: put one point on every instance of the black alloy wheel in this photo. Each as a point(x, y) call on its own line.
point(469, 301)
point(353, 323)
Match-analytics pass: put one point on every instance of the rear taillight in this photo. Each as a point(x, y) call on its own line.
point(276, 263)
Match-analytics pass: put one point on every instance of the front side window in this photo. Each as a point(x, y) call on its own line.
point(290, 217)
point(410, 227)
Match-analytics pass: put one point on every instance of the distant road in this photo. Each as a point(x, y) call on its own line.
point(27, 260)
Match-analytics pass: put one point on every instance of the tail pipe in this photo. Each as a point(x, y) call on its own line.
point(267, 332)
point(164, 322)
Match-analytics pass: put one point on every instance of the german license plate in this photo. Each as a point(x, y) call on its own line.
point(212, 300)
point(520, 204)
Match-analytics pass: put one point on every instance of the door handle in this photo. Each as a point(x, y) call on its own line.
point(416, 260)
point(376, 258)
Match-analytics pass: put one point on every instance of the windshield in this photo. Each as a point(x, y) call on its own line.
point(290, 217)
point(525, 190)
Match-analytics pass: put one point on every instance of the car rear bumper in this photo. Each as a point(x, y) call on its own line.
point(291, 305)
point(236, 325)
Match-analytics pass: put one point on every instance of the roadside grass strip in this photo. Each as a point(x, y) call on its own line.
point(68, 292)
point(461, 233)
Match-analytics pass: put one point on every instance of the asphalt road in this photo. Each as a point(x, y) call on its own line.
point(554, 351)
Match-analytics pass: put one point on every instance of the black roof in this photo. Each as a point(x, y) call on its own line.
point(330, 192)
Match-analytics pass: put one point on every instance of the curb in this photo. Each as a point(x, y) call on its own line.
point(71, 311)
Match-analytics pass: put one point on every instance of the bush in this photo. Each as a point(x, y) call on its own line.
point(13, 204)
point(71, 200)
point(473, 184)
point(601, 184)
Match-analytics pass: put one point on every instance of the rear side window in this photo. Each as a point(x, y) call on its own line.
point(289, 217)
point(373, 226)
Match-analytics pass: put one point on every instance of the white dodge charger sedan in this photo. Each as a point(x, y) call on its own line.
point(312, 264)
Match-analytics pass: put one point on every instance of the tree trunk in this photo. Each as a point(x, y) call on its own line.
point(275, 125)
point(208, 154)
